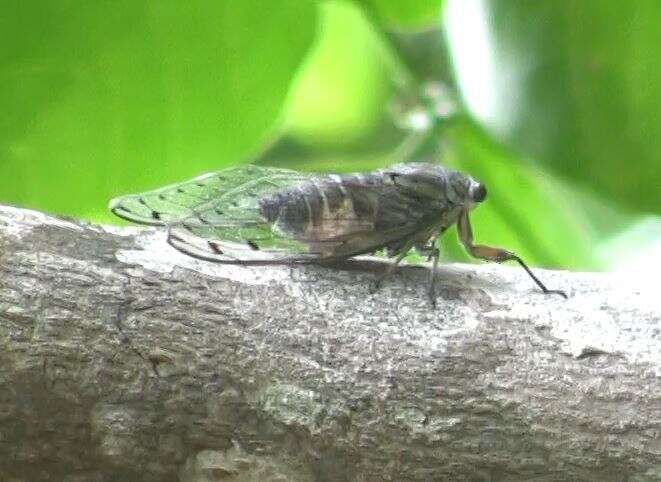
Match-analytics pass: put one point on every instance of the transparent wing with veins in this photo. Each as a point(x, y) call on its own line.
point(217, 216)
point(177, 202)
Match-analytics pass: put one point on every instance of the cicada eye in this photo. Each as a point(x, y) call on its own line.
point(478, 193)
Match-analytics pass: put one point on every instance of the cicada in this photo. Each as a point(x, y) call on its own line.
point(253, 215)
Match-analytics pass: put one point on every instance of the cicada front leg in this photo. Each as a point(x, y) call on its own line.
point(498, 255)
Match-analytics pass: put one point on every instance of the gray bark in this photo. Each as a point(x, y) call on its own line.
point(122, 359)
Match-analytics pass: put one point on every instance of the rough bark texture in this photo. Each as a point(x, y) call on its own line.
point(121, 359)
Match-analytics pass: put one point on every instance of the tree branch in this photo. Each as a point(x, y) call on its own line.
point(121, 359)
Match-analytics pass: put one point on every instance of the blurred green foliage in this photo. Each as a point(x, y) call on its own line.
point(101, 97)
point(404, 15)
point(552, 104)
point(577, 85)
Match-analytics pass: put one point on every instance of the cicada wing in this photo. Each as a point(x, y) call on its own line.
point(208, 248)
point(234, 230)
point(231, 227)
point(176, 202)
point(249, 240)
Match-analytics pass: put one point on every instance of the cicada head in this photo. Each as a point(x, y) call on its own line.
point(438, 183)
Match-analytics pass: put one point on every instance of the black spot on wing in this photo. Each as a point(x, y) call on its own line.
point(253, 245)
point(121, 209)
point(154, 215)
point(214, 247)
point(172, 236)
point(123, 212)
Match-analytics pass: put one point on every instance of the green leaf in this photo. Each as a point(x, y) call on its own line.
point(343, 89)
point(577, 85)
point(100, 98)
point(527, 210)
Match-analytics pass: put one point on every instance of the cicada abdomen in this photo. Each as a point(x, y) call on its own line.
point(342, 216)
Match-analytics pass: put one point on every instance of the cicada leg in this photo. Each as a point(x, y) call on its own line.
point(391, 267)
point(433, 254)
point(498, 255)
